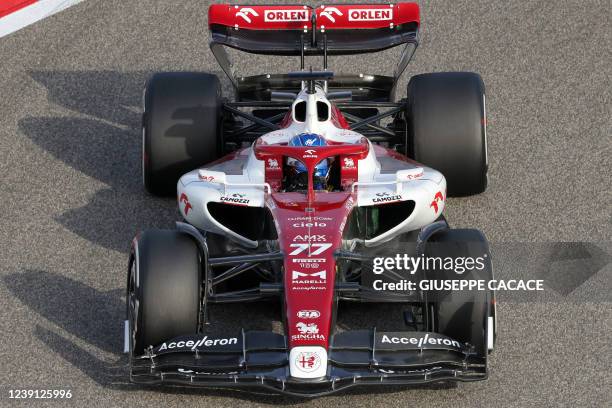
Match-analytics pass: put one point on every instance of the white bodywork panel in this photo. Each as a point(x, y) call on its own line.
point(241, 180)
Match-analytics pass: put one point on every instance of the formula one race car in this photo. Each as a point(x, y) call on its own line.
point(294, 192)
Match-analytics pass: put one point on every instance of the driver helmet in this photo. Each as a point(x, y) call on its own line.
point(321, 171)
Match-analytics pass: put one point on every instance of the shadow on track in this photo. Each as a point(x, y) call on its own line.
point(95, 318)
point(101, 138)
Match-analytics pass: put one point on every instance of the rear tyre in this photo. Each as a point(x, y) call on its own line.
point(467, 316)
point(447, 128)
point(163, 296)
point(181, 127)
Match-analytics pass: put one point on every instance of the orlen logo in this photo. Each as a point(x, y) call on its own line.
point(184, 199)
point(308, 314)
point(245, 14)
point(329, 12)
point(273, 16)
point(414, 176)
point(310, 154)
point(370, 14)
point(437, 198)
point(205, 177)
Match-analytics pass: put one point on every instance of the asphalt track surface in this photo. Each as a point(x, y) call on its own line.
point(72, 196)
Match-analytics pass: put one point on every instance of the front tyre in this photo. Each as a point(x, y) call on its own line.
point(163, 293)
point(467, 316)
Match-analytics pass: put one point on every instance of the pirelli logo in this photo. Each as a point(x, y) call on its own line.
point(370, 14)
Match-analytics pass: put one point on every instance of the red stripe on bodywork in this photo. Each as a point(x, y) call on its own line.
point(309, 237)
point(10, 6)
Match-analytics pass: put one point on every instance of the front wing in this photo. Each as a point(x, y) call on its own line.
point(260, 359)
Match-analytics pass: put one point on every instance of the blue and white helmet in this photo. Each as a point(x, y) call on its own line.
point(321, 169)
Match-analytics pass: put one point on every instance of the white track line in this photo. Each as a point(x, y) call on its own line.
point(32, 13)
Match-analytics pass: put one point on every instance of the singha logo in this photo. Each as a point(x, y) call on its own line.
point(310, 328)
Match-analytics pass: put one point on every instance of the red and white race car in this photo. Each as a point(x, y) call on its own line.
point(295, 191)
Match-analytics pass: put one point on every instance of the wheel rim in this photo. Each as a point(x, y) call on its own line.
point(132, 306)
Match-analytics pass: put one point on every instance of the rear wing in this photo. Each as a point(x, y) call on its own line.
point(292, 29)
point(303, 30)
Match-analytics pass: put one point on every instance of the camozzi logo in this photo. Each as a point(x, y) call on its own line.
point(236, 198)
point(370, 14)
point(384, 197)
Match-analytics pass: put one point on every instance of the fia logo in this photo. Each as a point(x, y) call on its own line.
point(308, 314)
